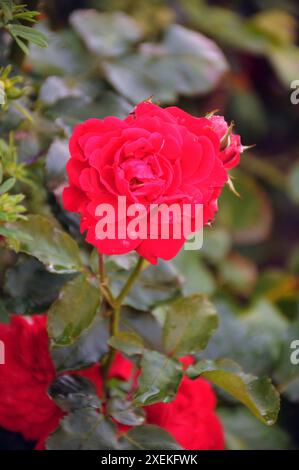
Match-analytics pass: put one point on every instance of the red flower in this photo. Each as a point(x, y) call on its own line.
point(154, 156)
point(190, 418)
point(26, 408)
point(28, 371)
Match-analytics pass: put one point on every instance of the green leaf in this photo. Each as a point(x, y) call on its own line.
point(28, 34)
point(73, 392)
point(7, 185)
point(125, 413)
point(253, 338)
point(257, 394)
point(137, 77)
point(285, 62)
point(30, 287)
point(189, 324)
point(127, 342)
point(186, 63)
point(86, 350)
point(148, 437)
point(73, 311)
point(84, 429)
point(105, 34)
point(22, 45)
point(159, 379)
point(65, 55)
point(53, 247)
point(196, 62)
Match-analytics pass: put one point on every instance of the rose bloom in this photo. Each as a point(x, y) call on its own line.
point(154, 156)
point(190, 418)
point(26, 408)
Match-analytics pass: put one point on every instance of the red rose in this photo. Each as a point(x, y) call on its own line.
point(230, 154)
point(28, 370)
point(26, 408)
point(190, 418)
point(154, 156)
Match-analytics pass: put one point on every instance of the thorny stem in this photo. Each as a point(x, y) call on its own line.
point(115, 316)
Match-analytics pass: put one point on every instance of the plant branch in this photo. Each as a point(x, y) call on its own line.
point(115, 316)
point(134, 275)
point(104, 287)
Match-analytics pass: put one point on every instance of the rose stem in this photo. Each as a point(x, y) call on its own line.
point(104, 287)
point(115, 318)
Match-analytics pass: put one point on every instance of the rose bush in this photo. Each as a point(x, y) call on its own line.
point(26, 407)
point(129, 352)
point(154, 156)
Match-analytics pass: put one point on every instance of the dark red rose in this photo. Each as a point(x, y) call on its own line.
point(154, 156)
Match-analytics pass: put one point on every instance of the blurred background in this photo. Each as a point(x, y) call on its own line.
point(239, 57)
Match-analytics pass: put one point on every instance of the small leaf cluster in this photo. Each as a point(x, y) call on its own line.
point(11, 18)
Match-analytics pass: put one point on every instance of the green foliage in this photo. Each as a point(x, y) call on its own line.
point(244, 280)
point(45, 241)
point(11, 18)
point(74, 393)
point(124, 412)
point(90, 347)
point(189, 324)
point(159, 379)
point(148, 437)
point(73, 311)
point(168, 69)
point(127, 342)
point(256, 393)
point(84, 429)
point(155, 285)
